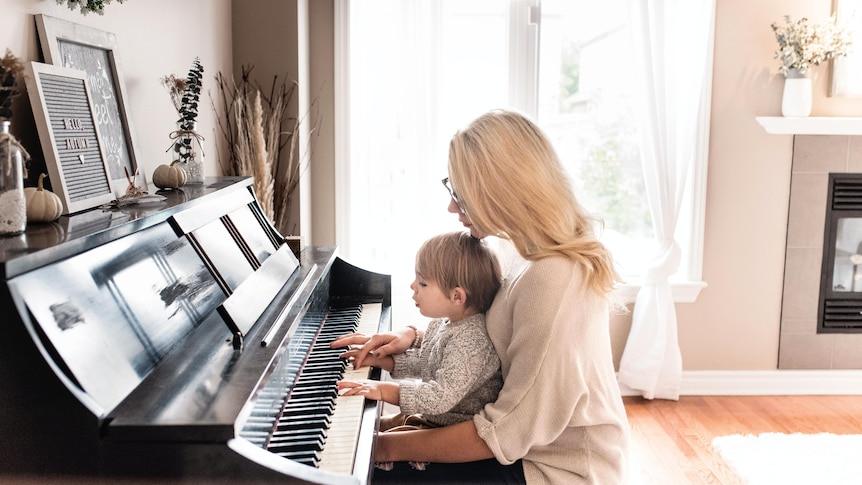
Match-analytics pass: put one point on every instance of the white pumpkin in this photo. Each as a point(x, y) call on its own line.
point(42, 205)
point(169, 176)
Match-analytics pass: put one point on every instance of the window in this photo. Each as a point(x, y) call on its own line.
point(585, 105)
point(418, 71)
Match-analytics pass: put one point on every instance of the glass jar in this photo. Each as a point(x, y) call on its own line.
point(13, 204)
point(189, 151)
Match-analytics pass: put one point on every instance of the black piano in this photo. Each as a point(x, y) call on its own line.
point(182, 341)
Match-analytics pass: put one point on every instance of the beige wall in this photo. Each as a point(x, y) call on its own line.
point(734, 325)
point(294, 39)
point(155, 38)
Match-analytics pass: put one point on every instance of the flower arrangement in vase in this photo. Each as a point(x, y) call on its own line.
point(802, 45)
point(187, 142)
point(13, 205)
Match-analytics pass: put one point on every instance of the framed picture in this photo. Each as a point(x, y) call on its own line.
point(93, 51)
point(65, 118)
point(847, 70)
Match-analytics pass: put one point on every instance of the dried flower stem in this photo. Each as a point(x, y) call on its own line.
point(253, 128)
point(263, 180)
point(11, 71)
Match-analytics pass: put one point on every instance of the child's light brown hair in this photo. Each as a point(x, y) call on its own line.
point(457, 259)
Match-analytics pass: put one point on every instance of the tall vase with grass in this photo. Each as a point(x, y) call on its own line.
point(257, 127)
point(187, 142)
point(13, 203)
point(803, 45)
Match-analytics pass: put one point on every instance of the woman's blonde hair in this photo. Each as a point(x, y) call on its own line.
point(457, 259)
point(511, 183)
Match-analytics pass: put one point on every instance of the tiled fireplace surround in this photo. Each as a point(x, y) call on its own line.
point(800, 346)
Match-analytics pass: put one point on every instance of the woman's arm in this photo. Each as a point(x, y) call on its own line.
point(382, 344)
point(453, 444)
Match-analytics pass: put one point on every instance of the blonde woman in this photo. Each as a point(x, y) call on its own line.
point(559, 417)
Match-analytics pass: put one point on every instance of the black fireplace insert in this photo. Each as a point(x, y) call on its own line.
point(840, 306)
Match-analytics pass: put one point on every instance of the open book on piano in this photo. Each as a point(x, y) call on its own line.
point(183, 341)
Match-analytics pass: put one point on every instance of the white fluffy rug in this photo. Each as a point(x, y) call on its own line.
point(785, 459)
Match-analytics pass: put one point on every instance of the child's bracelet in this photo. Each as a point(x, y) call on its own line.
point(415, 344)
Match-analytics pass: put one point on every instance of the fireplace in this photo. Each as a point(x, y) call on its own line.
point(840, 304)
point(814, 248)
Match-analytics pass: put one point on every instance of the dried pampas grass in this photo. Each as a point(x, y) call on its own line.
point(253, 128)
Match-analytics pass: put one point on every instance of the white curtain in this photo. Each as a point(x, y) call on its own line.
point(672, 40)
point(419, 70)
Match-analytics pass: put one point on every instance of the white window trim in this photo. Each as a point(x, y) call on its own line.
point(683, 291)
point(341, 83)
point(524, 55)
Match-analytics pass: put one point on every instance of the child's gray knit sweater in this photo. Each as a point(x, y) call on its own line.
point(459, 371)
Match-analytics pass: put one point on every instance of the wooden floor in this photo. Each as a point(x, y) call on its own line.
point(672, 439)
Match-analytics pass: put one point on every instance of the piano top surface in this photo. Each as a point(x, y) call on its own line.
point(44, 243)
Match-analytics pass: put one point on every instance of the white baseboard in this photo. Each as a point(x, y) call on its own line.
point(767, 383)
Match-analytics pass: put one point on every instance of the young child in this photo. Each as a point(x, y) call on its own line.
point(458, 371)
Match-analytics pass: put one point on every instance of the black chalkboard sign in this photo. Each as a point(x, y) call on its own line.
point(93, 51)
point(63, 110)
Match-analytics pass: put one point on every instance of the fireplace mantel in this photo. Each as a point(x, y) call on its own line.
point(815, 125)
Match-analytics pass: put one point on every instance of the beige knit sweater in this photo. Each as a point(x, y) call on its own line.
point(560, 407)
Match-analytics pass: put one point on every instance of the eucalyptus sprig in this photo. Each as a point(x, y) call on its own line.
point(185, 96)
point(11, 70)
point(87, 6)
point(186, 93)
point(191, 95)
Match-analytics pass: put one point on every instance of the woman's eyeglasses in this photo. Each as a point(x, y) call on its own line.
point(454, 197)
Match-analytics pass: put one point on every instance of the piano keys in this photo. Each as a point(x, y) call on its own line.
point(183, 342)
point(296, 421)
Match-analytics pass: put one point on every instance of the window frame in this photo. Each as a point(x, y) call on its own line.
point(524, 25)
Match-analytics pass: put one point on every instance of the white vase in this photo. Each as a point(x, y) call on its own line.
point(796, 100)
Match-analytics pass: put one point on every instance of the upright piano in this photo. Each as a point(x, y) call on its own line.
point(182, 341)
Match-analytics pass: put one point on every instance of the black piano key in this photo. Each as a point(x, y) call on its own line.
point(281, 437)
point(288, 417)
point(326, 354)
point(319, 379)
point(320, 374)
point(294, 433)
point(310, 458)
point(322, 380)
point(321, 393)
point(309, 446)
point(312, 384)
point(307, 407)
point(313, 423)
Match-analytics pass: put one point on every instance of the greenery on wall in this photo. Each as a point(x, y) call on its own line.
point(87, 6)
